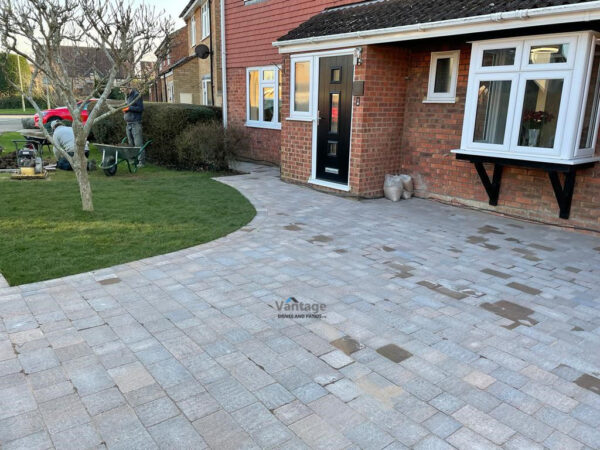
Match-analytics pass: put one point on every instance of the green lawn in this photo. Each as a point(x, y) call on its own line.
point(17, 112)
point(44, 234)
point(6, 141)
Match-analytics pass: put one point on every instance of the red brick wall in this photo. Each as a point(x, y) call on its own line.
point(265, 143)
point(378, 122)
point(432, 130)
point(251, 28)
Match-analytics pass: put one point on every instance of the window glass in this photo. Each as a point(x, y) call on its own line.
point(591, 105)
point(492, 111)
point(443, 75)
point(268, 75)
point(280, 98)
point(332, 148)
point(548, 54)
point(541, 106)
point(253, 94)
point(336, 75)
point(268, 104)
point(302, 86)
point(335, 113)
point(499, 57)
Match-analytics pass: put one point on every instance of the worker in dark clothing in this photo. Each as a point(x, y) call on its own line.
point(133, 118)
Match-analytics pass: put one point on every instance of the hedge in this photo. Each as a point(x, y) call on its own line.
point(9, 71)
point(162, 123)
point(14, 102)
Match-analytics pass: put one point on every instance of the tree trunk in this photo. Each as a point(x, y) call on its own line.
point(80, 169)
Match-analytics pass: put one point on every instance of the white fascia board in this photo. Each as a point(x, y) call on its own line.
point(580, 12)
point(186, 13)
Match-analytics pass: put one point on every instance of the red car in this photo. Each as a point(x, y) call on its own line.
point(62, 113)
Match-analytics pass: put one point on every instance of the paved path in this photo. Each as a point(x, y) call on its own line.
point(10, 123)
point(471, 331)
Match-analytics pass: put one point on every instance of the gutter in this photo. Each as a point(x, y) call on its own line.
point(186, 12)
point(580, 12)
point(223, 65)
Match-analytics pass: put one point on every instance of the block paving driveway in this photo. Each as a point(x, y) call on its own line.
point(444, 328)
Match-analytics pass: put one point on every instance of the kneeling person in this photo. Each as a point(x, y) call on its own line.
point(65, 139)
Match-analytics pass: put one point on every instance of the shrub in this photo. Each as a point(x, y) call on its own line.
point(9, 72)
point(162, 123)
point(209, 146)
point(14, 102)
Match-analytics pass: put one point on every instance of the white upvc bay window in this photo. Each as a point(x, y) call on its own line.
point(534, 98)
point(263, 97)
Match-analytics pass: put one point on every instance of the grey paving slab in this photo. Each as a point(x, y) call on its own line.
point(497, 321)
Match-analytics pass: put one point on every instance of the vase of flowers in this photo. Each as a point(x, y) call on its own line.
point(533, 121)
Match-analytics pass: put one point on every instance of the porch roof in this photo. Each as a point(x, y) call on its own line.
point(371, 17)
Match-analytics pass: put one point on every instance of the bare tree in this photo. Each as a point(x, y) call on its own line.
point(124, 33)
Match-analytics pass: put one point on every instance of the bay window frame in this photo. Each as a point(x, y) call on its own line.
point(301, 115)
point(276, 123)
point(575, 73)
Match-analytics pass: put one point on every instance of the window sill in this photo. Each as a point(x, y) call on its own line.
point(533, 158)
point(299, 119)
point(440, 100)
point(329, 184)
point(267, 125)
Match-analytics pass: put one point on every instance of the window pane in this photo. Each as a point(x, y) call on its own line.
point(443, 73)
point(253, 94)
point(302, 86)
point(492, 111)
point(541, 106)
point(268, 75)
point(548, 54)
point(332, 148)
point(268, 104)
point(335, 113)
point(280, 98)
point(499, 57)
point(591, 105)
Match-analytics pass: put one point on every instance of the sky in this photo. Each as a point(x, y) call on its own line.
point(172, 7)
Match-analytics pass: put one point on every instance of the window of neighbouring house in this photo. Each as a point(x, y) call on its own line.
point(300, 83)
point(263, 97)
point(443, 75)
point(205, 20)
point(170, 92)
point(193, 31)
point(533, 98)
point(206, 91)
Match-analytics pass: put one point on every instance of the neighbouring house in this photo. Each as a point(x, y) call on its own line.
point(203, 22)
point(173, 79)
point(85, 67)
point(493, 105)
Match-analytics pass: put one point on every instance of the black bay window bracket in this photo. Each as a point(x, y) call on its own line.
point(563, 191)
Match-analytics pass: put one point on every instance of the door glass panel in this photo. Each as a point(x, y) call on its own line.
point(253, 94)
point(302, 86)
point(268, 104)
point(443, 75)
point(541, 106)
point(336, 75)
point(335, 113)
point(492, 111)
point(268, 75)
point(499, 57)
point(591, 105)
point(548, 54)
point(332, 147)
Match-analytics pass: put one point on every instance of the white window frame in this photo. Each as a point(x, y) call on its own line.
point(443, 97)
point(193, 30)
point(170, 91)
point(301, 115)
point(205, 14)
point(205, 91)
point(576, 73)
point(276, 123)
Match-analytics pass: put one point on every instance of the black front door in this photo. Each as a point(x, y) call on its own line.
point(335, 114)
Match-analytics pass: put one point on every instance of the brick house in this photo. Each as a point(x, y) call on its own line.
point(490, 105)
point(171, 80)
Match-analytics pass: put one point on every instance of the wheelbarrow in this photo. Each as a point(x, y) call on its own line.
point(113, 155)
